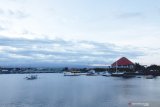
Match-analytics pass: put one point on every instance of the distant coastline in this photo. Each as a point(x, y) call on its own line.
point(138, 70)
point(121, 65)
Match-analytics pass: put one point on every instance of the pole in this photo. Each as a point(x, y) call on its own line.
point(116, 66)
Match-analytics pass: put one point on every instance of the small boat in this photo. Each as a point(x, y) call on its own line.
point(117, 74)
point(71, 74)
point(128, 76)
point(106, 74)
point(149, 77)
point(31, 77)
point(91, 73)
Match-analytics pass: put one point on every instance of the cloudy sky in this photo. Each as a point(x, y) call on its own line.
point(78, 32)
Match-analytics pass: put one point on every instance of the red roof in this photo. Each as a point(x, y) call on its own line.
point(122, 62)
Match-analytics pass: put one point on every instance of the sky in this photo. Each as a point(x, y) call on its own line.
point(78, 32)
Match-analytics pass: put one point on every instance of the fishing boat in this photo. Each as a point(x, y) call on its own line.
point(149, 77)
point(91, 73)
point(138, 76)
point(71, 74)
point(117, 74)
point(125, 75)
point(106, 74)
point(31, 77)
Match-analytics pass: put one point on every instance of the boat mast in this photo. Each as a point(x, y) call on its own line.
point(116, 66)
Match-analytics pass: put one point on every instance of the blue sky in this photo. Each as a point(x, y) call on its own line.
point(61, 32)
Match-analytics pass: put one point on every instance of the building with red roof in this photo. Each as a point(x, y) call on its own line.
point(123, 63)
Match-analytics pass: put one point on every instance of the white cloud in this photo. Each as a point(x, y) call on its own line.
point(61, 51)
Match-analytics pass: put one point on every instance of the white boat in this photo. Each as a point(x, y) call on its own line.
point(91, 73)
point(71, 74)
point(106, 74)
point(149, 77)
point(117, 74)
point(31, 77)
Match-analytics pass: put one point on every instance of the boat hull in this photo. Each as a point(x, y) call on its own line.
point(116, 75)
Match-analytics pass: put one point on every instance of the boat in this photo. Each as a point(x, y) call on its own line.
point(125, 75)
point(71, 74)
point(31, 77)
point(106, 74)
point(149, 77)
point(117, 74)
point(91, 73)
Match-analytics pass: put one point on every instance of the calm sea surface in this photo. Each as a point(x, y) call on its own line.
point(56, 90)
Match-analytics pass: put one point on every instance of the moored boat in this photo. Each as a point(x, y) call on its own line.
point(31, 77)
point(91, 73)
point(71, 74)
point(117, 74)
point(128, 76)
point(106, 74)
point(149, 77)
